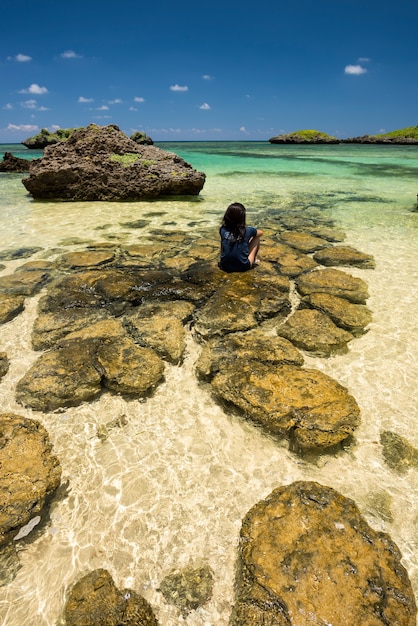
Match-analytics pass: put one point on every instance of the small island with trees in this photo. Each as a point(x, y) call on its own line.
point(403, 136)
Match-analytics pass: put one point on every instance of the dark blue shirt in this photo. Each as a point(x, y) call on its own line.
point(234, 253)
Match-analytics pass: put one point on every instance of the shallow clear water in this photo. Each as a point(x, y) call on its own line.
point(172, 486)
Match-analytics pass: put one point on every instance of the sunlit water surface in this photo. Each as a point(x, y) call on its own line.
point(171, 487)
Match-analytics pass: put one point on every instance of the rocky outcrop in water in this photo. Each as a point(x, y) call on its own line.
point(102, 163)
point(306, 555)
point(96, 601)
point(29, 472)
point(304, 136)
point(11, 163)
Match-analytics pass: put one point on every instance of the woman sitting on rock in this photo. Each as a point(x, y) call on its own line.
point(239, 243)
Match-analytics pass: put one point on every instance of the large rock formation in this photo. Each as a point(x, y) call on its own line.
point(102, 163)
point(308, 557)
point(29, 474)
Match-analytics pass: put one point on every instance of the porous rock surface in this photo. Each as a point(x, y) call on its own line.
point(307, 556)
point(11, 163)
point(315, 332)
point(102, 163)
point(29, 472)
point(111, 317)
point(309, 407)
point(189, 588)
point(96, 601)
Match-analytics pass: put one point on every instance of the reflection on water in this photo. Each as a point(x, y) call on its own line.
point(170, 487)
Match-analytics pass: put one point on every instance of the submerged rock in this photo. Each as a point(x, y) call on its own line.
point(96, 601)
point(304, 242)
point(344, 255)
point(241, 303)
point(351, 317)
point(307, 406)
point(251, 346)
point(101, 356)
point(4, 364)
point(24, 283)
point(289, 261)
point(334, 282)
point(314, 331)
point(189, 588)
point(398, 453)
point(29, 472)
point(10, 307)
point(306, 555)
point(102, 163)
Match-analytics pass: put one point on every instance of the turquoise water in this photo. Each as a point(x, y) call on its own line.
point(172, 487)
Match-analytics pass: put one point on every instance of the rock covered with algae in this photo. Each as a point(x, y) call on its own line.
point(102, 163)
point(30, 473)
point(95, 600)
point(306, 555)
point(189, 588)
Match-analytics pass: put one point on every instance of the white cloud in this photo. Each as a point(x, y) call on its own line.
point(139, 99)
point(34, 88)
point(243, 129)
point(32, 104)
point(363, 60)
point(8, 106)
point(84, 100)
point(207, 77)
point(355, 70)
point(29, 104)
point(29, 128)
point(70, 54)
point(117, 101)
point(179, 88)
point(205, 106)
point(133, 109)
point(20, 58)
point(102, 108)
point(23, 58)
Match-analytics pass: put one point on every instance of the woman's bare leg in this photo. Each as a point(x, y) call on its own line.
point(254, 247)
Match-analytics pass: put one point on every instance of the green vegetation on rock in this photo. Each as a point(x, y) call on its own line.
point(126, 159)
point(304, 136)
point(310, 135)
point(410, 132)
point(46, 138)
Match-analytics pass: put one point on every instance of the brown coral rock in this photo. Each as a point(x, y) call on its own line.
point(96, 601)
point(334, 282)
point(10, 307)
point(313, 331)
point(312, 409)
point(102, 163)
point(344, 255)
point(352, 317)
point(29, 472)
point(308, 556)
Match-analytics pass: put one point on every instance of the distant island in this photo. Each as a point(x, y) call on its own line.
point(46, 138)
point(403, 136)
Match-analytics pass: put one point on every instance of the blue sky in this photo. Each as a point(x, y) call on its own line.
point(220, 70)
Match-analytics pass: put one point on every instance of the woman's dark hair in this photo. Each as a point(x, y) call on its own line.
point(234, 220)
